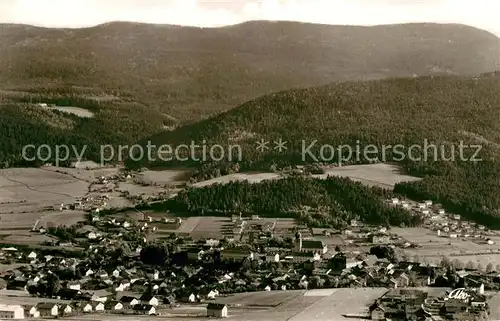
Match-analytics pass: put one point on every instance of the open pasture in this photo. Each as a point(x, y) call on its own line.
point(80, 112)
point(382, 175)
point(164, 177)
point(210, 226)
point(434, 247)
point(269, 299)
point(341, 303)
point(30, 189)
point(251, 177)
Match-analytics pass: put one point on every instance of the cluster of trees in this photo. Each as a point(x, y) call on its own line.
point(322, 203)
point(49, 288)
point(64, 233)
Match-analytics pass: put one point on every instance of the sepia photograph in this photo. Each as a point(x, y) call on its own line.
point(250, 160)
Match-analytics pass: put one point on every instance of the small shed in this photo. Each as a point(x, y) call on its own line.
point(217, 310)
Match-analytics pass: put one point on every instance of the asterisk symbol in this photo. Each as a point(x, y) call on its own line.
point(262, 145)
point(280, 145)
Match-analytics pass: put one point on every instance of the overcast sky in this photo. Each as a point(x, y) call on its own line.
point(210, 13)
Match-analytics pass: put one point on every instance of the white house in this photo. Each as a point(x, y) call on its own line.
point(66, 309)
point(100, 296)
point(116, 273)
point(102, 274)
point(32, 256)
point(124, 285)
point(11, 312)
point(273, 257)
point(144, 309)
point(92, 235)
point(267, 288)
point(191, 298)
point(33, 312)
point(114, 306)
point(150, 300)
point(98, 306)
point(216, 310)
point(89, 272)
point(74, 286)
point(47, 309)
point(212, 294)
point(87, 308)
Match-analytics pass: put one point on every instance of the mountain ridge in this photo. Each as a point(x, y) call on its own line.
point(193, 73)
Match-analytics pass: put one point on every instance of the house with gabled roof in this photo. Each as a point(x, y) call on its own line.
point(97, 306)
point(113, 306)
point(31, 311)
point(149, 299)
point(129, 300)
point(47, 309)
point(65, 310)
point(217, 310)
point(145, 309)
point(313, 246)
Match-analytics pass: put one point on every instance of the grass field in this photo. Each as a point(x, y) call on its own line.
point(80, 112)
point(24, 194)
point(210, 227)
point(251, 177)
point(433, 247)
point(382, 175)
point(25, 189)
point(164, 177)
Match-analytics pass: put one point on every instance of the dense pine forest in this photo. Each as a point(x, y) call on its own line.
point(332, 202)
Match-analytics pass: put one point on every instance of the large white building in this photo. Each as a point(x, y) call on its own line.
point(11, 312)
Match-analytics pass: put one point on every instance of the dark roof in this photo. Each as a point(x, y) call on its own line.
point(215, 306)
point(45, 305)
point(142, 307)
point(236, 251)
point(127, 299)
point(312, 244)
point(147, 297)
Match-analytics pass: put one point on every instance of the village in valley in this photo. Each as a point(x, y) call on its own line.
point(112, 263)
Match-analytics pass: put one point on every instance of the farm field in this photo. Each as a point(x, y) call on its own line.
point(81, 173)
point(382, 175)
point(25, 189)
point(164, 177)
point(342, 302)
point(209, 226)
point(251, 177)
point(25, 193)
point(269, 299)
point(80, 112)
point(434, 247)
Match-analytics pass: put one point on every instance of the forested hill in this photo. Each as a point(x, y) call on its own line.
point(443, 110)
point(191, 73)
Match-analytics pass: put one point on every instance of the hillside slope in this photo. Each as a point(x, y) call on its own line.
point(191, 73)
point(445, 111)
